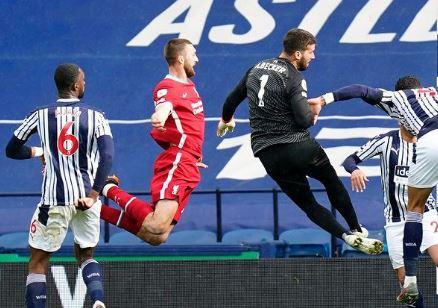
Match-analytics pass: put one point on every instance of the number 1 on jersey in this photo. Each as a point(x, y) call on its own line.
point(263, 81)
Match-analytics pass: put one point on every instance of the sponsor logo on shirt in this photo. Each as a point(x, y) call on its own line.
point(401, 171)
point(197, 107)
point(401, 174)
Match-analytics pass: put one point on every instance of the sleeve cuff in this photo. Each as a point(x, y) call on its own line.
point(329, 98)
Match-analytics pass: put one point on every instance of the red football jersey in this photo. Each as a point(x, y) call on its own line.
point(185, 124)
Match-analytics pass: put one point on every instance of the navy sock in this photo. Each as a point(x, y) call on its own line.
point(413, 235)
point(36, 291)
point(419, 303)
point(92, 275)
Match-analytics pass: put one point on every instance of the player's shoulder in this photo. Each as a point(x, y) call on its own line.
point(170, 82)
point(85, 106)
point(41, 108)
point(391, 133)
point(166, 85)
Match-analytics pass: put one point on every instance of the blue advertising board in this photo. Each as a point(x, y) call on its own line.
point(119, 44)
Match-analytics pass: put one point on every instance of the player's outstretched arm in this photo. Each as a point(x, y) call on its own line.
point(226, 123)
point(358, 177)
point(369, 95)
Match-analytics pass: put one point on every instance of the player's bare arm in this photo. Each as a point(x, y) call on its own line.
point(159, 117)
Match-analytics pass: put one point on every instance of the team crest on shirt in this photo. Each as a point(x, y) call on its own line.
point(175, 189)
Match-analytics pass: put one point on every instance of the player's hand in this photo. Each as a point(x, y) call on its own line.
point(200, 164)
point(84, 203)
point(157, 122)
point(358, 179)
point(223, 128)
point(316, 106)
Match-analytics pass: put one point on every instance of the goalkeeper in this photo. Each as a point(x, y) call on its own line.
point(279, 118)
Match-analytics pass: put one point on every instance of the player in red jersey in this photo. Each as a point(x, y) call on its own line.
point(178, 127)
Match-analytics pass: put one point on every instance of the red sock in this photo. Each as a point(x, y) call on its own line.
point(120, 219)
point(136, 209)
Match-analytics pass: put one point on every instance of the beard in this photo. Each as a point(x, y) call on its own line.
point(190, 72)
point(81, 95)
point(302, 65)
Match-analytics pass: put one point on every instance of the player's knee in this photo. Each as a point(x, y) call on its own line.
point(83, 254)
point(156, 240)
point(158, 226)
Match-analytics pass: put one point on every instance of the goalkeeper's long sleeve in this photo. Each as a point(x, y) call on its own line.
point(234, 99)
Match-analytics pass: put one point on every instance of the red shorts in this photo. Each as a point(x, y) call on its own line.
point(175, 177)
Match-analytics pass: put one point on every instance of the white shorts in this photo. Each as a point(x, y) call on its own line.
point(424, 173)
point(394, 237)
point(84, 224)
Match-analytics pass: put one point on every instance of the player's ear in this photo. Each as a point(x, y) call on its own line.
point(180, 59)
point(298, 54)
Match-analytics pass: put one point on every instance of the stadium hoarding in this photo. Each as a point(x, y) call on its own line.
point(305, 282)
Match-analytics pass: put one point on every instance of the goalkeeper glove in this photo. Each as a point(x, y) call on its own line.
point(223, 128)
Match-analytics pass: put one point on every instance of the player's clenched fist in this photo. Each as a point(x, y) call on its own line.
point(225, 127)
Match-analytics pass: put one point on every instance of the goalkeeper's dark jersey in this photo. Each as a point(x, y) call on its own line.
point(278, 108)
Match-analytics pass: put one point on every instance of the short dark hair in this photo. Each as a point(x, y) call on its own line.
point(66, 75)
point(297, 40)
point(174, 48)
point(407, 82)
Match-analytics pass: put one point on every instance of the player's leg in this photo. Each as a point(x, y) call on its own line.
point(394, 240)
point(282, 163)
point(159, 221)
point(419, 302)
point(36, 290)
point(91, 274)
point(413, 235)
point(322, 170)
point(86, 229)
point(46, 234)
point(120, 219)
point(288, 165)
point(134, 210)
point(155, 239)
point(423, 176)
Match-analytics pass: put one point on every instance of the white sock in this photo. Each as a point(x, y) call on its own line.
point(409, 280)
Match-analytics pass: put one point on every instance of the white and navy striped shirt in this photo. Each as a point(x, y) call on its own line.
point(68, 132)
point(395, 157)
point(413, 108)
point(416, 109)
